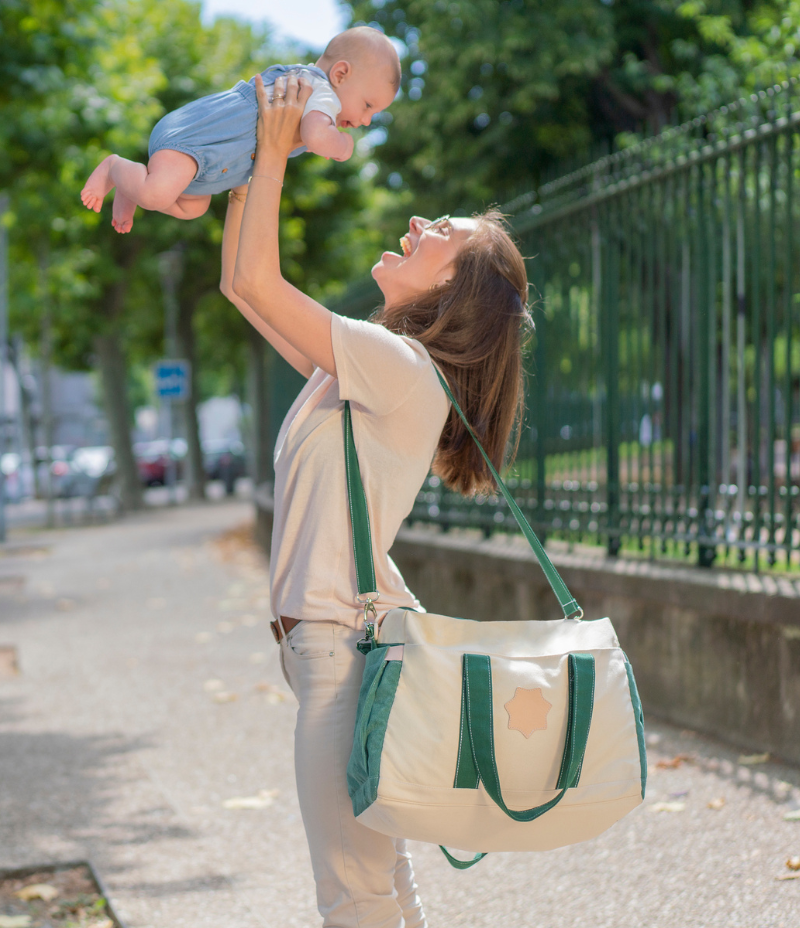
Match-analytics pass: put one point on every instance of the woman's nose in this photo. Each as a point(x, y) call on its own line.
point(417, 224)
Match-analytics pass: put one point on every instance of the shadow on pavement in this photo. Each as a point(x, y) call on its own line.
point(55, 785)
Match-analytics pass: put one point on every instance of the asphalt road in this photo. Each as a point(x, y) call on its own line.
point(150, 695)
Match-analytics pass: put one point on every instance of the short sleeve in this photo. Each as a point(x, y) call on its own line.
point(323, 99)
point(376, 368)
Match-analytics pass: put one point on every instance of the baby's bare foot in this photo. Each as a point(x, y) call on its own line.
point(98, 185)
point(122, 213)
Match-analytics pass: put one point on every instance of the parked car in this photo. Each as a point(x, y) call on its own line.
point(93, 470)
point(18, 476)
point(152, 456)
point(62, 472)
point(224, 459)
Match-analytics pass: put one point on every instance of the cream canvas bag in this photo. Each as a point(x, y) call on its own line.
point(490, 736)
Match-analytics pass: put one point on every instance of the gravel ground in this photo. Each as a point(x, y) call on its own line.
point(150, 695)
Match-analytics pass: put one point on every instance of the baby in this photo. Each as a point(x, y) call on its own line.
point(208, 146)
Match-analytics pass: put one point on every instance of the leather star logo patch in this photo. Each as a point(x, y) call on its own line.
point(527, 711)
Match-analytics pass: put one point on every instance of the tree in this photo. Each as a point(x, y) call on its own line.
point(97, 91)
point(755, 51)
point(495, 94)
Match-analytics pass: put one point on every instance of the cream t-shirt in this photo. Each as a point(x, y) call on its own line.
point(399, 410)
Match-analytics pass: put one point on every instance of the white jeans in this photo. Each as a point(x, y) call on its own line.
point(364, 879)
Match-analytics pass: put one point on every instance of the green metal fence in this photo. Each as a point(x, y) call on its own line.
point(664, 377)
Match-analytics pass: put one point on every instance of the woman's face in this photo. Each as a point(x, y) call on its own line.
point(429, 250)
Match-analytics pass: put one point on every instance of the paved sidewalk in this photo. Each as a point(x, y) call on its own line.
point(121, 740)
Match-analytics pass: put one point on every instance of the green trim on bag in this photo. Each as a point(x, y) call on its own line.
point(480, 725)
point(375, 701)
point(638, 716)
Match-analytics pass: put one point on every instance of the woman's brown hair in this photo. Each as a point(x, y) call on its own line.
point(473, 327)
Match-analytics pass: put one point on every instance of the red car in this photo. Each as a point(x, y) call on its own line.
point(151, 460)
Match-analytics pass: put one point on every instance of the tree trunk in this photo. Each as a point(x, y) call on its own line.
point(260, 451)
point(115, 400)
point(46, 369)
point(26, 407)
point(195, 472)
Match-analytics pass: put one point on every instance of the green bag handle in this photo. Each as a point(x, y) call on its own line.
point(359, 519)
point(480, 721)
point(462, 864)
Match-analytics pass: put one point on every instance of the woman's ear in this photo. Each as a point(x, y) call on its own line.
point(339, 72)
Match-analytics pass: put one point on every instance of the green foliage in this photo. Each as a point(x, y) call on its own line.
point(754, 51)
point(492, 86)
point(495, 94)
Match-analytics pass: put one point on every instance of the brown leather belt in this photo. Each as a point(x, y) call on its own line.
point(288, 625)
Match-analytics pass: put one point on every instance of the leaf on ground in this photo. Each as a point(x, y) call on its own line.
point(264, 798)
point(750, 759)
point(668, 807)
point(274, 693)
point(225, 697)
point(15, 921)
point(674, 762)
point(37, 891)
point(105, 923)
point(793, 816)
point(212, 686)
point(717, 804)
point(783, 876)
point(793, 863)
point(202, 637)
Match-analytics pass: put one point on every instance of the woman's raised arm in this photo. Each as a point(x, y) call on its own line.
point(230, 245)
point(301, 322)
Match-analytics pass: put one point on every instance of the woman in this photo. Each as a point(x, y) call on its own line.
point(457, 296)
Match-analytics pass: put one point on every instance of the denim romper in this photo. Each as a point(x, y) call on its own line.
point(219, 132)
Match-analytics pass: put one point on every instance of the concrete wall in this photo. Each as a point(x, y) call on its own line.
point(713, 650)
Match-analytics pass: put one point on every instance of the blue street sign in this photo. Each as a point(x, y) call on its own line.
point(172, 380)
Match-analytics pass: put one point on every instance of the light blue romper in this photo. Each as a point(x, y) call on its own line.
point(219, 132)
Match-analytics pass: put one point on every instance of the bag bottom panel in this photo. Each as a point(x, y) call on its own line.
point(480, 827)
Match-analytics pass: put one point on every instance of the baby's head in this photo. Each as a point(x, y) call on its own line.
point(363, 67)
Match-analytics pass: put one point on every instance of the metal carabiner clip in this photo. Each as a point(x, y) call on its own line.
point(368, 643)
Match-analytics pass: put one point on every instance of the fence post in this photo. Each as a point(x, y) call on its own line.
point(540, 381)
point(705, 308)
point(610, 319)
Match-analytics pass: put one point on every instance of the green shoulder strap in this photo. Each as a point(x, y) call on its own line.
point(359, 515)
point(568, 602)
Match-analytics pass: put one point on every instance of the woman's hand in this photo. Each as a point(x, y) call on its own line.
point(278, 127)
